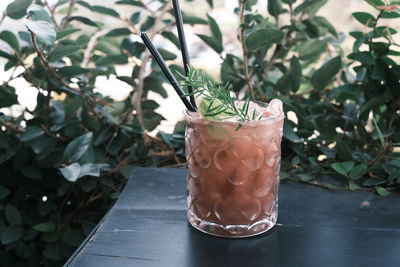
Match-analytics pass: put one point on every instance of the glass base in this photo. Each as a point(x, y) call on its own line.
point(232, 231)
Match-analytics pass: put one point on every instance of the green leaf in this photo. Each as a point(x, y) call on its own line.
point(7, 97)
point(84, 21)
point(172, 37)
point(358, 171)
point(353, 186)
point(4, 192)
point(365, 18)
point(92, 169)
point(215, 31)
point(63, 34)
point(77, 147)
point(11, 234)
point(71, 172)
point(85, 4)
point(147, 24)
point(13, 216)
point(32, 132)
point(38, 13)
point(348, 91)
point(323, 76)
point(70, 71)
point(132, 48)
point(343, 167)
point(263, 38)
point(290, 135)
point(381, 138)
point(166, 55)
point(53, 253)
point(382, 191)
point(62, 51)
point(363, 57)
point(305, 177)
point(130, 2)
point(385, 31)
point(8, 56)
point(106, 11)
point(375, 3)
point(390, 15)
point(113, 60)
point(154, 84)
point(275, 8)
point(210, 3)
point(214, 43)
point(310, 7)
point(118, 32)
point(370, 104)
point(283, 175)
point(44, 31)
point(73, 237)
point(331, 186)
point(135, 17)
point(391, 165)
point(152, 121)
point(343, 150)
point(188, 19)
point(17, 8)
point(312, 49)
point(10, 39)
point(323, 22)
point(291, 80)
point(44, 227)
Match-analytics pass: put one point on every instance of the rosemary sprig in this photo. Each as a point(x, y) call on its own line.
point(219, 102)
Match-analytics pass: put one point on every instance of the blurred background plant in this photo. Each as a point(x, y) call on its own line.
point(65, 159)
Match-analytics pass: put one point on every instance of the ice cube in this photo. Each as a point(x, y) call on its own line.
point(251, 209)
point(263, 182)
point(241, 175)
point(254, 160)
point(241, 146)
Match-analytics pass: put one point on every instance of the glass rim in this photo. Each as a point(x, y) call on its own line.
point(189, 117)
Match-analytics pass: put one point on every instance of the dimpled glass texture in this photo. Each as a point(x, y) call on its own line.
point(233, 173)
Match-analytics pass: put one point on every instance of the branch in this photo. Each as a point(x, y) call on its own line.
point(11, 126)
point(271, 61)
point(66, 19)
point(52, 14)
point(137, 97)
point(90, 100)
point(91, 44)
point(3, 17)
point(245, 51)
point(386, 149)
point(132, 27)
point(145, 6)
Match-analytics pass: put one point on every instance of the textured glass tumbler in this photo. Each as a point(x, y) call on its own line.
point(233, 173)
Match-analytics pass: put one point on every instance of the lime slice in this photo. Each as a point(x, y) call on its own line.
point(212, 110)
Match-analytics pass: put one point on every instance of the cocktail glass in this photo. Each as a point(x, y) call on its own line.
point(233, 172)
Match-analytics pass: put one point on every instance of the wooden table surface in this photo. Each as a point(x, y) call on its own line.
point(316, 227)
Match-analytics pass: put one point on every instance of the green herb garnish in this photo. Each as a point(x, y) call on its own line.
point(216, 101)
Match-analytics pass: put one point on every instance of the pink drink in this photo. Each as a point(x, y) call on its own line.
point(233, 173)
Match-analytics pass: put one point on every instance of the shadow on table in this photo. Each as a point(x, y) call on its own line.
point(206, 250)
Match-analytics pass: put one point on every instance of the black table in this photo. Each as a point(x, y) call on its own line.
point(316, 227)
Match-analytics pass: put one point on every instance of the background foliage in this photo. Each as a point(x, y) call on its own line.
point(63, 163)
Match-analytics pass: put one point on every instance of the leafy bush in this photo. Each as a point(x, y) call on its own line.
point(346, 107)
point(64, 162)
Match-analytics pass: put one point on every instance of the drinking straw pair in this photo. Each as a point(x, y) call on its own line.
point(190, 105)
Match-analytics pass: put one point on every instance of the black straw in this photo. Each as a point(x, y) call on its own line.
point(182, 41)
point(171, 78)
